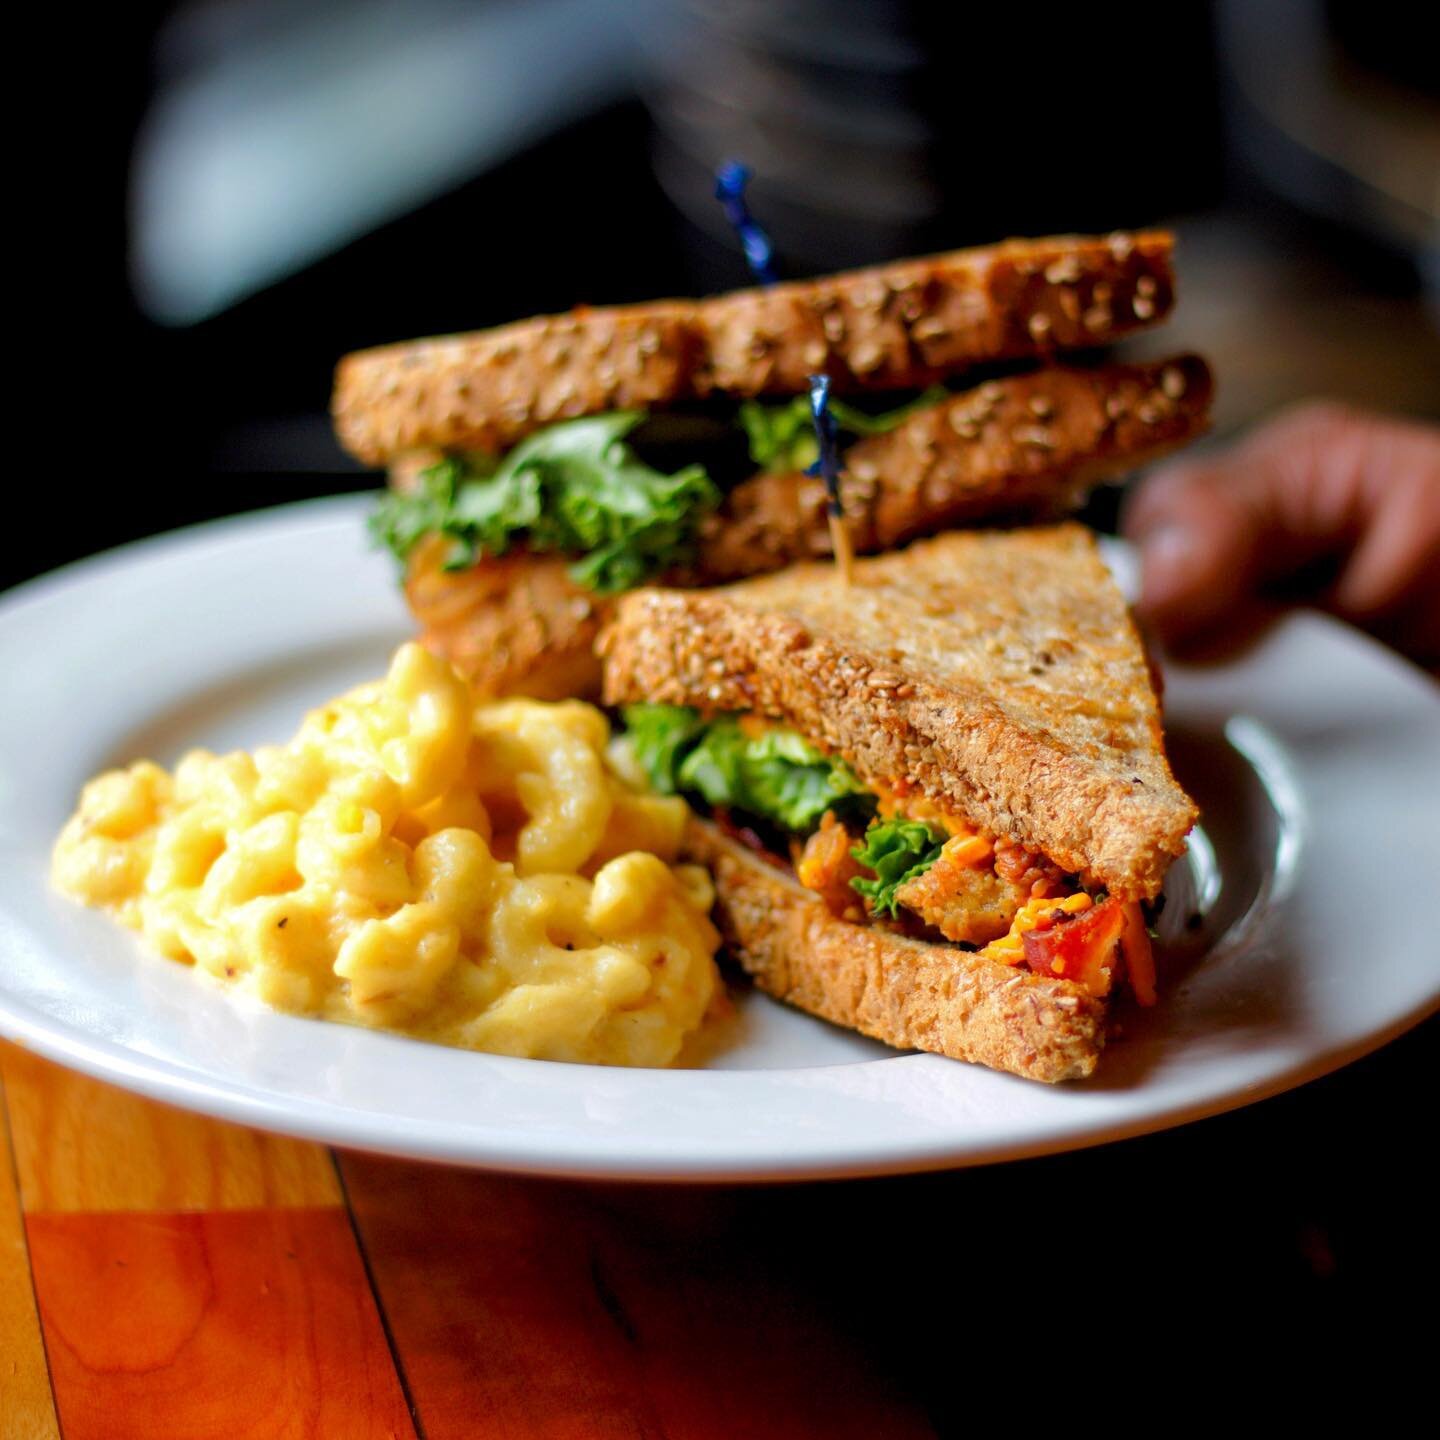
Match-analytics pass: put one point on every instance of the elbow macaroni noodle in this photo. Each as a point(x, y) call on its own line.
point(468, 873)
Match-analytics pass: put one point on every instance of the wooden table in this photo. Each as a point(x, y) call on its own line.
point(167, 1276)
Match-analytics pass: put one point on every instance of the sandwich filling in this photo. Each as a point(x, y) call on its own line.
point(881, 855)
point(580, 489)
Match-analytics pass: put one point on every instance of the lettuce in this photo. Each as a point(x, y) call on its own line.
point(896, 850)
point(782, 437)
point(777, 775)
point(575, 488)
point(659, 736)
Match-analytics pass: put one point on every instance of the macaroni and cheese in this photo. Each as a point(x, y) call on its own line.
point(468, 873)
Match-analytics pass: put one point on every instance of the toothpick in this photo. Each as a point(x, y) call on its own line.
point(828, 465)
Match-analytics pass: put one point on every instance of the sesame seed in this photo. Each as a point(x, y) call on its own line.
point(866, 357)
point(1040, 407)
point(1097, 318)
point(1033, 435)
point(834, 327)
point(1115, 407)
point(1172, 382)
point(930, 329)
point(1146, 285)
point(1142, 307)
point(1039, 326)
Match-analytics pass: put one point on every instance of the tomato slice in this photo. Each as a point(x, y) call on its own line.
point(1079, 947)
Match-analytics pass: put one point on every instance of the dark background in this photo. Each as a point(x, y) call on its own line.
point(1295, 146)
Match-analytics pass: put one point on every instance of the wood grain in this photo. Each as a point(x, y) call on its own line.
point(26, 1409)
point(236, 1325)
point(525, 1309)
point(81, 1145)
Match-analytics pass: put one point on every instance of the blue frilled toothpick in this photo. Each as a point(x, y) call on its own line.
point(828, 465)
point(730, 182)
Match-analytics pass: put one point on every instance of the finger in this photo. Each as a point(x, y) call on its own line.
point(1398, 549)
point(1198, 538)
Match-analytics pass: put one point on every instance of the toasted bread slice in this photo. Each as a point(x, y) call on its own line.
point(908, 993)
point(915, 321)
point(888, 327)
point(997, 672)
point(1027, 443)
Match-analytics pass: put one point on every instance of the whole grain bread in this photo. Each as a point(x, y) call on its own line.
point(887, 327)
point(914, 321)
point(908, 993)
point(997, 672)
point(1023, 445)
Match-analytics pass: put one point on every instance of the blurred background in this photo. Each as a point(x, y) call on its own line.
point(260, 185)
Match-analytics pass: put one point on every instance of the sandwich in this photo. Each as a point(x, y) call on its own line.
point(935, 801)
point(541, 470)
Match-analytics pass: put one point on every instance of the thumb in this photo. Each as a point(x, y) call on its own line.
point(1197, 537)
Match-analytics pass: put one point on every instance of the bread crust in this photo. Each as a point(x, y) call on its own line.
point(997, 672)
point(908, 993)
point(886, 327)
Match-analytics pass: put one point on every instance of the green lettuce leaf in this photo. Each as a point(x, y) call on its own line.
point(789, 781)
point(575, 488)
point(896, 850)
point(776, 776)
point(782, 437)
point(659, 737)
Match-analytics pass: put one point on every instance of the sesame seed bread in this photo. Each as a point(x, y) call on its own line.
point(914, 321)
point(1032, 442)
point(1028, 443)
point(997, 672)
point(888, 327)
point(909, 993)
point(488, 391)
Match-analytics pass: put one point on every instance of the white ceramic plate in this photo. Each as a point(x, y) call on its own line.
point(1300, 931)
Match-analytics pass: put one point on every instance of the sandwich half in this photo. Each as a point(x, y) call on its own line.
point(539, 470)
point(935, 802)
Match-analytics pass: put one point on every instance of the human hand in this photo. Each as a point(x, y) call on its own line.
point(1319, 488)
